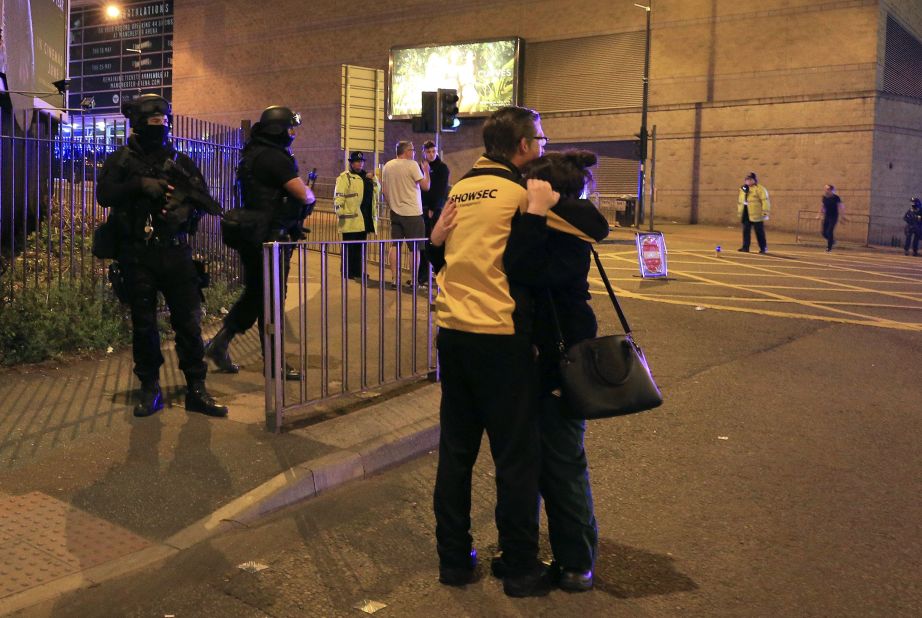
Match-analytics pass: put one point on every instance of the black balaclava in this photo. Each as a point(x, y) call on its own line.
point(152, 136)
point(274, 133)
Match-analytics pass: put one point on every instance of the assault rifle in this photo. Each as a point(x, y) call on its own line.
point(187, 189)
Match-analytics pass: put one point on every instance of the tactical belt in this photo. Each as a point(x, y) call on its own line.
point(179, 240)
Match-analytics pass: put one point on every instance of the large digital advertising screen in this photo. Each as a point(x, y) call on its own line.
point(485, 74)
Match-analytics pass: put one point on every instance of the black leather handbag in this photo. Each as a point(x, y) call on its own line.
point(606, 376)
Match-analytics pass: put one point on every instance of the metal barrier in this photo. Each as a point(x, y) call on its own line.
point(861, 230)
point(887, 231)
point(48, 173)
point(343, 336)
point(853, 229)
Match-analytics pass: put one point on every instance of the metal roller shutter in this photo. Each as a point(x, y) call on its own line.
point(597, 72)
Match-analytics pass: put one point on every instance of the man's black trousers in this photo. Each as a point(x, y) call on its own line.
point(352, 254)
point(422, 274)
point(829, 229)
point(488, 384)
point(912, 240)
point(748, 226)
point(169, 270)
point(249, 307)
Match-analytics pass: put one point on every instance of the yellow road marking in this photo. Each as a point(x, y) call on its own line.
point(768, 312)
point(844, 285)
point(864, 318)
point(775, 300)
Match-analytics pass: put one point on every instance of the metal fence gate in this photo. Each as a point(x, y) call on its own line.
point(343, 336)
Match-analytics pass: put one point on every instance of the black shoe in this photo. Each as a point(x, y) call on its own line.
point(533, 583)
point(216, 351)
point(570, 580)
point(151, 399)
point(292, 374)
point(744, 249)
point(459, 575)
point(198, 400)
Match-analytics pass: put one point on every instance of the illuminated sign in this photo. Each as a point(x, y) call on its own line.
point(485, 74)
point(113, 59)
point(651, 254)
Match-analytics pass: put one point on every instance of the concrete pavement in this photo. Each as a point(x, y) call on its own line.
point(162, 485)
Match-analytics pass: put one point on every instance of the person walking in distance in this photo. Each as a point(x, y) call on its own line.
point(753, 207)
point(833, 212)
point(913, 219)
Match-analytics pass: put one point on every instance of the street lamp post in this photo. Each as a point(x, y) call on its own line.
point(641, 172)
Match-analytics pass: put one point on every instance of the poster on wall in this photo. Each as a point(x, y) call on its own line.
point(116, 59)
point(33, 51)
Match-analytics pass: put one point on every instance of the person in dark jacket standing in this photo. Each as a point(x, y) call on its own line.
point(269, 182)
point(153, 227)
point(433, 201)
point(913, 219)
point(557, 263)
point(832, 212)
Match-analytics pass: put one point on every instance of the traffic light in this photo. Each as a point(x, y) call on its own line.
point(448, 109)
point(640, 145)
point(426, 121)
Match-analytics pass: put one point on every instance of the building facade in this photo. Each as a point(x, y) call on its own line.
point(803, 92)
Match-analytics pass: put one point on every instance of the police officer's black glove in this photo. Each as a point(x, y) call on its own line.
point(154, 188)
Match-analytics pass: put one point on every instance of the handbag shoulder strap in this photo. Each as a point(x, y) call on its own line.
point(611, 293)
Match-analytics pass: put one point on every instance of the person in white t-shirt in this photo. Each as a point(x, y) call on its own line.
point(402, 180)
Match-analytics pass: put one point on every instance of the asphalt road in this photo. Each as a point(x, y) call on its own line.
point(781, 476)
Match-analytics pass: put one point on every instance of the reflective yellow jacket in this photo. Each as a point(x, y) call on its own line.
point(347, 202)
point(758, 202)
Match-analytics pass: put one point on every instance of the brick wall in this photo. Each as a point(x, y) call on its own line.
point(783, 87)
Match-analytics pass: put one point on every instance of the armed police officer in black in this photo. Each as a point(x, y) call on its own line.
point(153, 219)
point(269, 182)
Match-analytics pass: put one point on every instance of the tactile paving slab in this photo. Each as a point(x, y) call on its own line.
point(42, 539)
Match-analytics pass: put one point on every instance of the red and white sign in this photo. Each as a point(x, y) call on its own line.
point(651, 254)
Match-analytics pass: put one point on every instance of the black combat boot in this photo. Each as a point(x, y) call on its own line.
point(216, 351)
point(151, 399)
point(198, 400)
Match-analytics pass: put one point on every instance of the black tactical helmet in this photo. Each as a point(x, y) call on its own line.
point(278, 119)
point(140, 109)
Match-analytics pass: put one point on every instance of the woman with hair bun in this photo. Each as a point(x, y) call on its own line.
point(553, 257)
